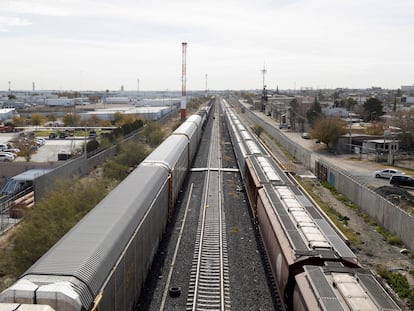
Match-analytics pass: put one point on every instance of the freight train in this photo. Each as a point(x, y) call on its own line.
point(312, 265)
point(102, 262)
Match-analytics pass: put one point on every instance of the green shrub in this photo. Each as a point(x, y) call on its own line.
point(394, 240)
point(398, 283)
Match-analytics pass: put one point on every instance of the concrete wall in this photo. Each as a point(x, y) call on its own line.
point(10, 169)
point(385, 213)
point(80, 166)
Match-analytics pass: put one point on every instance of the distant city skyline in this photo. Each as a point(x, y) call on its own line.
point(104, 44)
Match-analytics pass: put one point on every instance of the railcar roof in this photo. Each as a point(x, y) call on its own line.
point(89, 250)
point(169, 152)
point(305, 226)
point(357, 289)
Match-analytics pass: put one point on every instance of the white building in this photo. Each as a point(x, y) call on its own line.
point(59, 102)
point(407, 88)
point(7, 114)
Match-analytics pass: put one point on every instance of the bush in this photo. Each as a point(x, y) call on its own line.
point(130, 155)
point(92, 145)
point(394, 240)
point(398, 283)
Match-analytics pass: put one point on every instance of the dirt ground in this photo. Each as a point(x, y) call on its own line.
point(373, 249)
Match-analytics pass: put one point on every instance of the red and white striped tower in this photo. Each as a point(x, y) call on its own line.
point(184, 78)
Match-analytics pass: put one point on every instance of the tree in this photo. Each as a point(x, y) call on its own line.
point(372, 106)
point(257, 129)
point(93, 121)
point(27, 148)
point(51, 117)
point(36, 119)
point(296, 115)
point(153, 133)
point(71, 119)
point(18, 121)
point(314, 113)
point(328, 131)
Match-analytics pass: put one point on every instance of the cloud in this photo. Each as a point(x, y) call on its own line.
point(7, 23)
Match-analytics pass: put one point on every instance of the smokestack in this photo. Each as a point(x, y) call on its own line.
point(184, 78)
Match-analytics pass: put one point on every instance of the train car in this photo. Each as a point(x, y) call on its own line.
point(191, 128)
point(335, 287)
point(24, 307)
point(312, 265)
point(173, 154)
point(104, 259)
point(102, 262)
point(239, 148)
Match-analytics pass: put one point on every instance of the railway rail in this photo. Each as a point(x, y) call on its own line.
point(209, 283)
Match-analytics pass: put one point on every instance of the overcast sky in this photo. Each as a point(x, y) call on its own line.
point(103, 44)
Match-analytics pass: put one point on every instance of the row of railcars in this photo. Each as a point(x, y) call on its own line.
point(312, 264)
point(102, 262)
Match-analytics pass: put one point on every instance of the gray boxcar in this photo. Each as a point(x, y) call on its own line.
point(172, 154)
point(191, 128)
point(103, 259)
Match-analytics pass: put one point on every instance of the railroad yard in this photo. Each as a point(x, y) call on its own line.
point(212, 255)
point(247, 282)
point(249, 276)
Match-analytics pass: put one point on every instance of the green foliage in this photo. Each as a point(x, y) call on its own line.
point(122, 130)
point(153, 133)
point(314, 113)
point(71, 119)
point(130, 155)
point(373, 106)
point(257, 129)
point(51, 117)
point(18, 121)
point(92, 145)
point(398, 283)
point(394, 240)
point(27, 148)
point(115, 170)
point(36, 119)
point(248, 97)
point(328, 131)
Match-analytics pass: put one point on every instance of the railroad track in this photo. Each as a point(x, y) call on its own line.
point(209, 283)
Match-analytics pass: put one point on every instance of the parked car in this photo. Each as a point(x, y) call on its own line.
point(52, 135)
point(13, 150)
point(284, 126)
point(3, 147)
point(402, 180)
point(40, 141)
point(92, 135)
point(6, 157)
point(387, 173)
point(306, 136)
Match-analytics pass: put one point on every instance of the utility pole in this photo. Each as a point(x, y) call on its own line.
point(183, 81)
point(206, 86)
point(264, 71)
